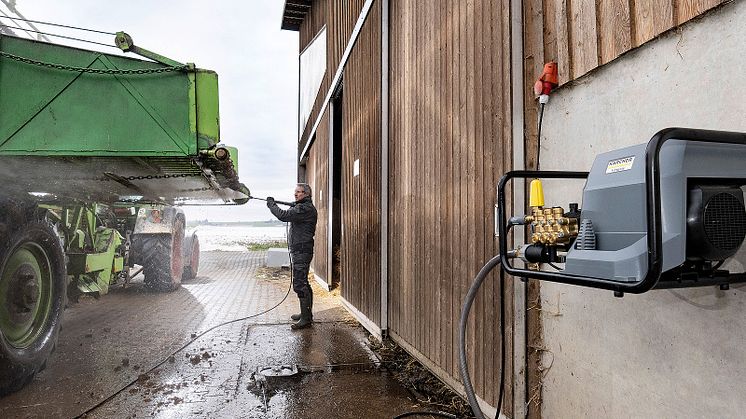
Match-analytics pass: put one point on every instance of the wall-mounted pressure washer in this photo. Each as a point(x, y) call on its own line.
point(665, 214)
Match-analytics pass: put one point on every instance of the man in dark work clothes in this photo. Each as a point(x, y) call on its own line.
point(302, 217)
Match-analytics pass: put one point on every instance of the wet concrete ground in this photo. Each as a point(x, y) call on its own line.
point(109, 342)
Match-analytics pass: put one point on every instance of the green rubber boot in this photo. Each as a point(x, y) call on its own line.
point(306, 318)
point(296, 317)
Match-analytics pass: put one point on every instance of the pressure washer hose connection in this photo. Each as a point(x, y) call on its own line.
point(517, 220)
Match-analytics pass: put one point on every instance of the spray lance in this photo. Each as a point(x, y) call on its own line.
point(290, 204)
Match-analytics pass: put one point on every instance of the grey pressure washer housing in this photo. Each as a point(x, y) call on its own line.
point(655, 215)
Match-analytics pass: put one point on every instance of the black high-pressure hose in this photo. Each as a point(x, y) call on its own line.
point(465, 309)
point(194, 339)
point(190, 342)
point(464, 367)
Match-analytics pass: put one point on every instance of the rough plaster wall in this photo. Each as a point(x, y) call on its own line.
point(667, 353)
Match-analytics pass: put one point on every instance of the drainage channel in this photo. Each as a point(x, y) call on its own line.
point(264, 376)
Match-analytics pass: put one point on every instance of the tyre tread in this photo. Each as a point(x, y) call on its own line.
point(156, 262)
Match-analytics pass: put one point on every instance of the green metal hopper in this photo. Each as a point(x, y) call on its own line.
point(85, 125)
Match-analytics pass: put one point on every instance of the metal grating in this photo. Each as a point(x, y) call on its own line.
point(725, 221)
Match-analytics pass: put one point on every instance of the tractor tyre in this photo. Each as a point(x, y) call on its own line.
point(33, 295)
point(162, 258)
point(191, 257)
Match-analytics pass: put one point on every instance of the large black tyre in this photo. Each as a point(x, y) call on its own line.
point(162, 258)
point(191, 257)
point(33, 282)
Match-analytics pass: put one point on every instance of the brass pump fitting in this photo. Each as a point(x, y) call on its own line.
point(549, 225)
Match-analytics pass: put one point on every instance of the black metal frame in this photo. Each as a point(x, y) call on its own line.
point(654, 230)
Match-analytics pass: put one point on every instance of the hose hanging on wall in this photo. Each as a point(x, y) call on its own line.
point(543, 87)
point(463, 365)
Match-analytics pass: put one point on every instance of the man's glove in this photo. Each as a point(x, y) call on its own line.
point(270, 201)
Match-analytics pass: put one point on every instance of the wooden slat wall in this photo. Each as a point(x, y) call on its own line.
point(340, 18)
point(361, 195)
point(584, 34)
point(535, 24)
point(317, 175)
point(449, 144)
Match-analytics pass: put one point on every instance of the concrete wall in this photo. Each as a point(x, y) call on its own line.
point(667, 353)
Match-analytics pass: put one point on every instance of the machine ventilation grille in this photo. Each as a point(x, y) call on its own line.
point(725, 221)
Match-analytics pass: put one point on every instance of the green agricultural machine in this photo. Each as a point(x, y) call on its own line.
point(97, 153)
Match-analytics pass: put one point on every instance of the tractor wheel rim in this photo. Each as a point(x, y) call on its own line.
point(25, 289)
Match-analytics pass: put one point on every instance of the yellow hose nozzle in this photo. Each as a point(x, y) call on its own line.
point(536, 197)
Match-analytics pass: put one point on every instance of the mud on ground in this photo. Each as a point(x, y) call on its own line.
point(117, 339)
point(429, 392)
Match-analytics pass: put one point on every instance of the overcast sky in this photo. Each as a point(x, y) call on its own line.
point(241, 40)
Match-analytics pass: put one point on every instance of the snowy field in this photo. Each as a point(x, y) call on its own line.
point(235, 238)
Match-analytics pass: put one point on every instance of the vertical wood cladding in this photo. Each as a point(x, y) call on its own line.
point(449, 144)
point(317, 175)
point(584, 34)
point(553, 25)
point(340, 18)
point(361, 194)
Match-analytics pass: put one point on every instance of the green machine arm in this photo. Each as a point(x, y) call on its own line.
point(125, 43)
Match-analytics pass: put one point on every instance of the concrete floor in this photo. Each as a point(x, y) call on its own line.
point(106, 343)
